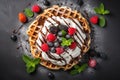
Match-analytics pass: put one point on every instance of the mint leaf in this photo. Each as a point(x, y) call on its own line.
point(101, 10)
point(31, 63)
point(28, 12)
point(102, 21)
point(30, 69)
point(78, 69)
point(82, 68)
point(101, 7)
point(66, 42)
point(64, 32)
point(97, 10)
point(26, 59)
point(76, 66)
point(36, 61)
point(74, 72)
point(106, 12)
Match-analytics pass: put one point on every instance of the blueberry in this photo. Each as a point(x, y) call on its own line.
point(51, 76)
point(46, 2)
point(56, 44)
point(60, 39)
point(80, 2)
point(52, 50)
point(63, 27)
point(50, 44)
point(13, 37)
point(60, 33)
point(54, 30)
point(68, 36)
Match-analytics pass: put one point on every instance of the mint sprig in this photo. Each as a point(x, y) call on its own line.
point(102, 21)
point(64, 32)
point(31, 63)
point(101, 10)
point(78, 69)
point(28, 12)
point(66, 42)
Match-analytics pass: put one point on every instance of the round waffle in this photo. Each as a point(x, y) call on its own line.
point(38, 23)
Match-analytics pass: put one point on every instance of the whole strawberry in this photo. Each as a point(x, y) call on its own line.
point(36, 8)
point(92, 63)
point(94, 19)
point(22, 17)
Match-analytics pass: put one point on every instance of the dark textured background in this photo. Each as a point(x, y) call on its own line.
point(107, 40)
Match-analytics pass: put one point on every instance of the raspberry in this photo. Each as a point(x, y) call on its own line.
point(92, 63)
point(51, 37)
point(94, 19)
point(71, 31)
point(36, 8)
point(22, 17)
point(73, 45)
point(45, 47)
point(59, 50)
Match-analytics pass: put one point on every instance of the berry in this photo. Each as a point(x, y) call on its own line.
point(60, 39)
point(52, 50)
point(14, 37)
point(60, 33)
point(51, 76)
point(54, 30)
point(22, 17)
point(36, 8)
point(73, 45)
point(94, 19)
point(68, 36)
point(59, 50)
point(92, 63)
point(46, 2)
point(50, 44)
point(45, 47)
point(56, 44)
point(71, 31)
point(63, 27)
point(51, 37)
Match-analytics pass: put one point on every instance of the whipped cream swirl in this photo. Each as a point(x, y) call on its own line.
point(66, 56)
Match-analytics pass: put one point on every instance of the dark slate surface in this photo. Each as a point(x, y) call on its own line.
point(107, 41)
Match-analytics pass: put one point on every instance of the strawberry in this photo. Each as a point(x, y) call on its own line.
point(92, 63)
point(22, 17)
point(36, 8)
point(59, 50)
point(73, 45)
point(45, 47)
point(71, 31)
point(51, 37)
point(94, 19)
